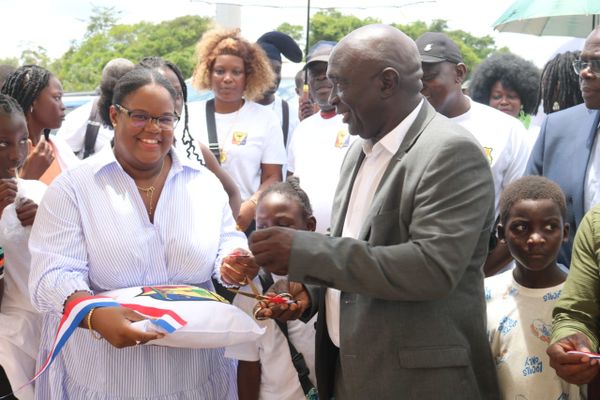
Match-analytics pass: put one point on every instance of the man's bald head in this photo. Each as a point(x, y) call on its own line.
point(377, 73)
point(385, 46)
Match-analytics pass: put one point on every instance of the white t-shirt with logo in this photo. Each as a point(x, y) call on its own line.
point(519, 329)
point(504, 140)
point(247, 138)
point(315, 156)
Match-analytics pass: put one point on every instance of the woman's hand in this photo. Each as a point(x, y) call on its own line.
point(573, 368)
point(38, 161)
point(238, 267)
point(285, 312)
point(8, 193)
point(26, 211)
point(246, 215)
point(114, 324)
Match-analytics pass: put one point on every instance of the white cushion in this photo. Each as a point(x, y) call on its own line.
point(192, 317)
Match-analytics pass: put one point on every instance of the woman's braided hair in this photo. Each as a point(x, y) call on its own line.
point(291, 189)
point(559, 84)
point(25, 84)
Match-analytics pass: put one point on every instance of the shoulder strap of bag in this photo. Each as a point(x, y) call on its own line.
point(211, 125)
point(285, 125)
point(91, 131)
point(266, 280)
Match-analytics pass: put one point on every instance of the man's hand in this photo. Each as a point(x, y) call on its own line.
point(38, 161)
point(272, 247)
point(306, 108)
point(238, 267)
point(573, 368)
point(26, 212)
point(285, 312)
point(8, 193)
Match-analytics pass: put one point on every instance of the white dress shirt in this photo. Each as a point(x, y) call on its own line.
point(377, 157)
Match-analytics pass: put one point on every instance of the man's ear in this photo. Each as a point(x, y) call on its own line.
point(390, 80)
point(500, 231)
point(461, 72)
point(311, 224)
point(566, 230)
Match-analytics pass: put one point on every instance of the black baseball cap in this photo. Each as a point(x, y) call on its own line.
point(435, 47)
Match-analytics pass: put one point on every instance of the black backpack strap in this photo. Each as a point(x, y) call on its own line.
point(285, 125)
point(91, 131)
point(211, 125)
point(266, 280)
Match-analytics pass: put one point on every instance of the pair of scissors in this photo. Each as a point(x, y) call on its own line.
point(281, 298)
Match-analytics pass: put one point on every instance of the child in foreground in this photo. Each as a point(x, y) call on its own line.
point(520, 301)
point(265, 369)
point(20, 323)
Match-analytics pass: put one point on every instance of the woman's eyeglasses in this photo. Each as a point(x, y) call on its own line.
point(139, 119)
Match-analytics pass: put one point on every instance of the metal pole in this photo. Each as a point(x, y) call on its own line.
point(307, 41)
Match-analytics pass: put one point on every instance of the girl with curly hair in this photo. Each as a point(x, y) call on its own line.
point(248, 139)
point(507, 82)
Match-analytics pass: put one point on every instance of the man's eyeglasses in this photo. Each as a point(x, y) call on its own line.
point(593, 65)
point(139, 119)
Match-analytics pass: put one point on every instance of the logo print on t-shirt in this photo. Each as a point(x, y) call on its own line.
point(239, 138)
point(541, 330)
point(342, 139)
point(488, 153)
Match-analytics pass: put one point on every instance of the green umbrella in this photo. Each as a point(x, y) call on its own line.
point(576, 18)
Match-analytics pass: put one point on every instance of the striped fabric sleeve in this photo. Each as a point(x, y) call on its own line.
point(1, 263)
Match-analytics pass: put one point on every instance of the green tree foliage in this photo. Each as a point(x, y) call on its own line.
point(473, 48)
point(333, 25)
point(14, 61)
point(36, 56)
point(101, 20)
point(79, 69)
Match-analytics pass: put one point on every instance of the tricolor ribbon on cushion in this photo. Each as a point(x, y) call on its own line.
point(168, 320)
point(78, 309)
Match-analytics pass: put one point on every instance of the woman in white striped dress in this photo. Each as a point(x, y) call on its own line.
point(131, 215)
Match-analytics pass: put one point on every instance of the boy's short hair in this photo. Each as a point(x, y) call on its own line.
point(531, 188)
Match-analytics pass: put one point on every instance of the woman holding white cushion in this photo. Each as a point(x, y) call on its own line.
point(135, 214)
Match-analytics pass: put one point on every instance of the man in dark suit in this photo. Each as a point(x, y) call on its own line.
point(399, 286)
point(567, 150)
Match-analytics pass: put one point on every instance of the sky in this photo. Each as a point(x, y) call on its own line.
point(55, 24)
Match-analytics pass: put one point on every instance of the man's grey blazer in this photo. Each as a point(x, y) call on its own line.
point(413, 322)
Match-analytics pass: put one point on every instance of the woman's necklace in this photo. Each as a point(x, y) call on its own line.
point(149, 191)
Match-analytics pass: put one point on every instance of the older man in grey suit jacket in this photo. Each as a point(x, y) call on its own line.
point(399, 288)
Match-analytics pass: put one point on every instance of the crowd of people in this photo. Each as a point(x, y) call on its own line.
point(430, 242)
